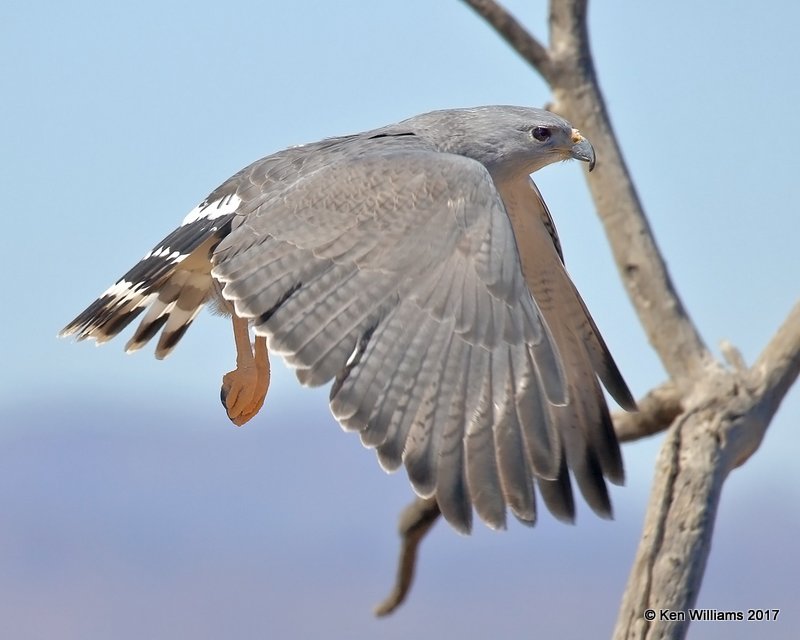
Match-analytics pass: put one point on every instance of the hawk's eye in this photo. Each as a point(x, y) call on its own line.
point(542, 134)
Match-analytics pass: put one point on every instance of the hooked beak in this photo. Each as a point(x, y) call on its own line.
point(582, 149)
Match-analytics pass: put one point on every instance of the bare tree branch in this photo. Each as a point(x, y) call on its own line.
point(718, 416)
point(722, 429)
point(665, 573)
point(416, 520)
point(778, 366)
point(571, 75)
point(524, 43)
point(657, 410)
point(770, 379)
point(725, 417)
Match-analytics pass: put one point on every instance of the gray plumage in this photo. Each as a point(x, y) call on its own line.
point(416, 267)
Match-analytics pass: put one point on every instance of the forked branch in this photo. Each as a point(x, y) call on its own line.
point(718, 416)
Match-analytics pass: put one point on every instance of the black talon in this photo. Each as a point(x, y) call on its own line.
point(223, 397)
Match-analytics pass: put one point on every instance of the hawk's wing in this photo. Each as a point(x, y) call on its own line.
point(397, 274)
point(590, 444)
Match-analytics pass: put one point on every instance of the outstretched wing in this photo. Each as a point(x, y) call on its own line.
point(396, 274)
point(590, 445)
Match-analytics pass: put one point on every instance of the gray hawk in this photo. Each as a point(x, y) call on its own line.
point(418, 269)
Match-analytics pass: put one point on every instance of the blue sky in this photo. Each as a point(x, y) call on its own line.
point(133, 509)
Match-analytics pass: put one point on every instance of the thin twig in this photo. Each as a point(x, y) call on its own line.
point(657, 410)
point(770, 379)
point(415, 521)
point(778, 366)
point(523, 42)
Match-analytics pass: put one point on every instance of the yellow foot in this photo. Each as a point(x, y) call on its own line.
point(244, 389)
point(243, 392)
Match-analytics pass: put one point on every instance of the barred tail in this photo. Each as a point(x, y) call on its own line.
point(173, 282)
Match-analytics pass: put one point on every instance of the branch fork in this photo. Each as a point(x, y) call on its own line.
point(716, 416)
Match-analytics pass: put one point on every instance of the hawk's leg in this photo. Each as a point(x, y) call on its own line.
point(244, 389)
